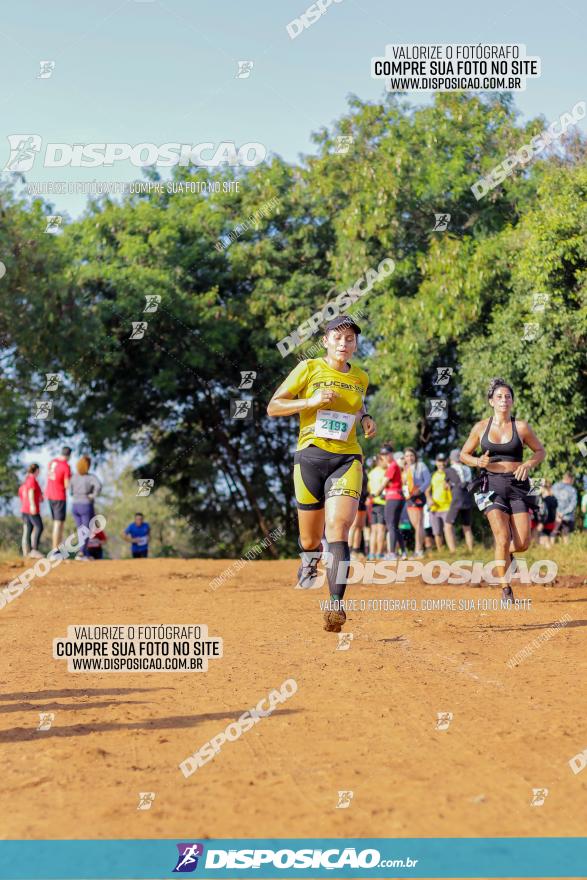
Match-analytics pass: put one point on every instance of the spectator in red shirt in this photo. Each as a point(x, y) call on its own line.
point(394, 503)
point(31, 497)
point(58, 479)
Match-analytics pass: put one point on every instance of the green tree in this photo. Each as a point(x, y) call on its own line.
point(457, 298)
point(32, 264)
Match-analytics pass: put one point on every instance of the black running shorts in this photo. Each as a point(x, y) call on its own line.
point(511, 495)
point(319, 475)
point(57, 510)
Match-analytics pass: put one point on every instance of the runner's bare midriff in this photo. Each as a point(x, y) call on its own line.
point(503, 467)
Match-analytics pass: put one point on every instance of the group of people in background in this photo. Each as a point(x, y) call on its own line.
point(557, 510)
point(407, 508)
point(404, 507)
point(83, 488)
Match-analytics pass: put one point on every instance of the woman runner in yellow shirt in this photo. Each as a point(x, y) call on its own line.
point(328, 393)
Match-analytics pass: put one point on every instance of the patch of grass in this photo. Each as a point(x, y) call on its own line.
point(570, 558)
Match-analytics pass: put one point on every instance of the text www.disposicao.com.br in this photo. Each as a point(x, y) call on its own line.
point(141, 664)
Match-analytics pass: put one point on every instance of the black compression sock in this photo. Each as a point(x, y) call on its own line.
point(338, 568)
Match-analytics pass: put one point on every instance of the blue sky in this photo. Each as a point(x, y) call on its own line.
point(165, 71)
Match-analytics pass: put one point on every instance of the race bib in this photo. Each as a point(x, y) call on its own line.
point(483, 499)
point(140, 542)
point(333, 425)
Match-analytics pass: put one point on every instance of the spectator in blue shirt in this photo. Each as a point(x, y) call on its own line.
point(137, 535)
point(566, 497)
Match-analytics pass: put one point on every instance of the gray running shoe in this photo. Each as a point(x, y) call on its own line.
point(308, 574)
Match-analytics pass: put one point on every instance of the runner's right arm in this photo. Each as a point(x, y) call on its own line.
point(473, 441)
point(283, 403)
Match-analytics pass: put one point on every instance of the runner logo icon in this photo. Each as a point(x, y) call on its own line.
point(187, 860)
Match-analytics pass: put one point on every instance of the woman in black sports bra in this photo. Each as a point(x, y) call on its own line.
point(501, 491)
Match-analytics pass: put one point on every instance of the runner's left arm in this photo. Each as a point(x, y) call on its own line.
point(528, 437)
point(367, 422)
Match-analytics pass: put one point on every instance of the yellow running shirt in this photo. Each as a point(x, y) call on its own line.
point(332, 426)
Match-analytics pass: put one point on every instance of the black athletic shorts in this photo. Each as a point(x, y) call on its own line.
point(510, 495)
point(378, 515)
point(140, 554)
point(319, 475)
point(567, 526)
point(457, 509)
point(57, 510)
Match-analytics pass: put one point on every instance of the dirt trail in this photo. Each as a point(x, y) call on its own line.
point(362, 720)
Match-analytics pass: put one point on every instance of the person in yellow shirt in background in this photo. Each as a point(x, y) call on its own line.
point(376, 482)
point(439, 497)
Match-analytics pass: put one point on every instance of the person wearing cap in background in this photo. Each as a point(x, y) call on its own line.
point(457, 476)
point(439, 498)
point(328, 394)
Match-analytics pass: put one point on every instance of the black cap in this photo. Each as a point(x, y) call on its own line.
point(386, 450)
point(342, 321)
point(441, 457)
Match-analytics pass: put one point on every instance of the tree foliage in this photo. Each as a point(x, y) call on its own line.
point(457, 298)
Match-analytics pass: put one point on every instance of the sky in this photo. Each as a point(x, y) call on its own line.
point(159, 71)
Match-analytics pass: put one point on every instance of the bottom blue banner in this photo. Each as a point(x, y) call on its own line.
point(279, 857)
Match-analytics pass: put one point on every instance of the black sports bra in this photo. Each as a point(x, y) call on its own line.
point(510, 451)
